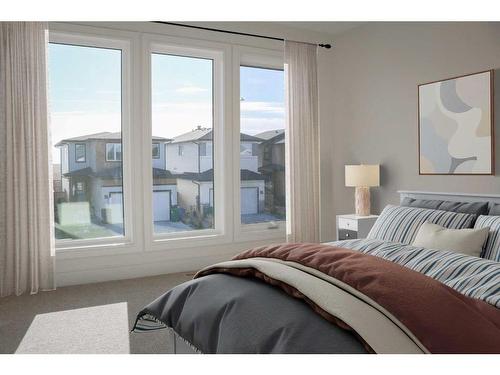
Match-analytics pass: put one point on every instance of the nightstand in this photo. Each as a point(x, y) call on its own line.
point(350, 227)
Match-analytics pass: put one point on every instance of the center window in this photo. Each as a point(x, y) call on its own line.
point(262, 145)
point(182, 117)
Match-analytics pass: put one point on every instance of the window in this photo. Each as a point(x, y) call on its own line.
point(80, 153)
point(203, 149)
point(113, 152)
point(196, 166)
point(182, 97)
point(262, 145)
point(156, 150)
point(85, 94)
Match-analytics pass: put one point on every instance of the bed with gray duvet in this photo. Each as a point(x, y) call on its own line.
point(311, 298)
point(382, 294)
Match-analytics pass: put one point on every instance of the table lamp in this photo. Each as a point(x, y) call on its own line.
point(362, 177)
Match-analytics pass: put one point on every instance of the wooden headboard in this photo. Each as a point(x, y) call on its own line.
point(459, 197)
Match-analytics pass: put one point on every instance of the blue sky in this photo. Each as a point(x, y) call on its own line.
point(85, 94)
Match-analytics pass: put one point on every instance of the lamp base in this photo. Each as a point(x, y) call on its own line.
point(362, 201)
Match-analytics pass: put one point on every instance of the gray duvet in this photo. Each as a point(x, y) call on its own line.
point(221, 313)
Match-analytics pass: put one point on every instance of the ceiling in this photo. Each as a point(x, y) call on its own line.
point(331, 28)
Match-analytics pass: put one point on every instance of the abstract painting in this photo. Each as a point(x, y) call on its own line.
point(455, 119)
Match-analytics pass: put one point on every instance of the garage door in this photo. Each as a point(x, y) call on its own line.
point(115, 208)
point(161, 205)
point(249, 200)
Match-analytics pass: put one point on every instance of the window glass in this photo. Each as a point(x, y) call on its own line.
point(80, 153)
point(113, 151)
point(85, 85)
point(156, 151)
point(183, 185)
point(262, 145)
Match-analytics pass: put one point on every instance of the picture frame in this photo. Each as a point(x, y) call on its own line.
point(456, 125)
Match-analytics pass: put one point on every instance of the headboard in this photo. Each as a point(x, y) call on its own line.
point(459, 197)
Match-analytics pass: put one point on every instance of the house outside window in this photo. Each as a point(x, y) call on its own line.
point(156, 151)
point(180, 150)
point(113, 152)
point(80, 153)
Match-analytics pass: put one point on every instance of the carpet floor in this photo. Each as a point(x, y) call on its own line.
point(92, 318)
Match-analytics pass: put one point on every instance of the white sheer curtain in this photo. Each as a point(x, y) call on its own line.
point(302, 143)
point(26, 232)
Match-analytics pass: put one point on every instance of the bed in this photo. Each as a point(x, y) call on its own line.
point(381, 294)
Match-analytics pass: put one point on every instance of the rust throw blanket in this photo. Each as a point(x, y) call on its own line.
point(443, 320)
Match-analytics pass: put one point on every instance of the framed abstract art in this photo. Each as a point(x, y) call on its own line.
point(455, 125)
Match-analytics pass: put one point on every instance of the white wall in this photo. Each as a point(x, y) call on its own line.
point(368, 99)
point(187, 162)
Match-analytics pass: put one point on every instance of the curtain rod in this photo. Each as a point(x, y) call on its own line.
point(327, 45)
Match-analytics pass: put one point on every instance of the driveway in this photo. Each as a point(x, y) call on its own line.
point(171, 227)
point(259, 218)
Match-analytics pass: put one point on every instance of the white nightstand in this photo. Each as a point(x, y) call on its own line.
point(350, 227)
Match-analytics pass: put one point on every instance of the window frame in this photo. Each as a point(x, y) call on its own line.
point(220, 54)
point(258, 58)
point(119, 40)
point(84, 153)
point(98, 256)
point(115, 152)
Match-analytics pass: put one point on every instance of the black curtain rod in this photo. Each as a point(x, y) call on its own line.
point(327, 46)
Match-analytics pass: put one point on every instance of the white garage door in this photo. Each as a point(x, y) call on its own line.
point(161, 205)
point(249, 200)
point(115, 208)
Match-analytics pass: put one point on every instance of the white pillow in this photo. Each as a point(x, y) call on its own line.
point(465, 241)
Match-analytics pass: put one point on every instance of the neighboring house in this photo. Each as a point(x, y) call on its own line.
point(189, 156)
point(272, 165)
point(91, 171)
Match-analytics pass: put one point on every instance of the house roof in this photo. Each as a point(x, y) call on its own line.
point(268, 168)
point(205, 134)
point(108, 136)
point(270, 134)
point(208, 176)
point(84, 172)
point(114, 172)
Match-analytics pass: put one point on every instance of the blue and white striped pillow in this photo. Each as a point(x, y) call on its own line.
point(491, 249)
point(401, 224)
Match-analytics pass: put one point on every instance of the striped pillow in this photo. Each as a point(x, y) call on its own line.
point(401, 224)
point(491, 249)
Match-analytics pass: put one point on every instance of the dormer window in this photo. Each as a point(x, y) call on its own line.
point(80, 153)
point(113, 152)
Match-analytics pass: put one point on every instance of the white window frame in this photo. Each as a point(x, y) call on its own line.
point(259, 58)
point(220, 54)
point(115, 152)
point(112, 257)
point(103, 38)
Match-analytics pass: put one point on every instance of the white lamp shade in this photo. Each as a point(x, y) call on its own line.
point(362, 175)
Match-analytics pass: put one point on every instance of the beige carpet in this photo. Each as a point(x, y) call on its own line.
point(93, 318)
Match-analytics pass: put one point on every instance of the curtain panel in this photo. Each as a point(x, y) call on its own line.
point(302, 142)
point(26, 211)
